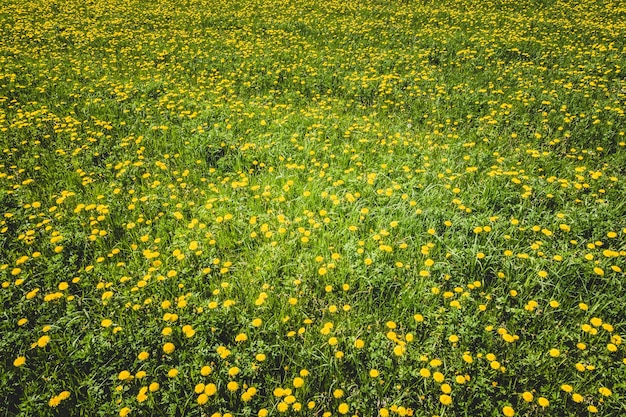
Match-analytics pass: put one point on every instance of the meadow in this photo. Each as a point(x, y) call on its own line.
point(262, 208)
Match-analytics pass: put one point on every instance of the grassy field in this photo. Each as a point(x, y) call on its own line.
point(261, 208)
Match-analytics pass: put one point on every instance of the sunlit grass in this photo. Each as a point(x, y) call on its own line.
point(255, 208)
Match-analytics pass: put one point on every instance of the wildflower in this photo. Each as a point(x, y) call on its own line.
point(508, 411)
point(19, 361)
point(124, 375)
point(445, 399)
point(42, 341)
point(398, 350)
point(142, 395)
point(210, 389)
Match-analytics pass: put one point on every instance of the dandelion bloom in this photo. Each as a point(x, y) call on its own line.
point(508, 411)
point(124, 375)
point(43, 341)
point(210, 389)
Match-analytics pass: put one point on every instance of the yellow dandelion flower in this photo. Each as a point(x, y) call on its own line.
point(210, 389)
point(508, 411)
point(124, 375)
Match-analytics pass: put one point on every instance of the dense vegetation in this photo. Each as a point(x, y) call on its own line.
point(242, 208)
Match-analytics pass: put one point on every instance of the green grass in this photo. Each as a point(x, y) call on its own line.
point(431, 190)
